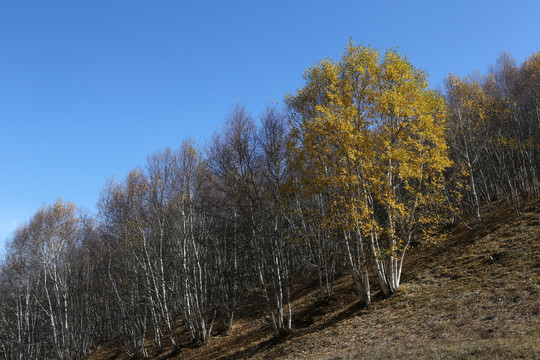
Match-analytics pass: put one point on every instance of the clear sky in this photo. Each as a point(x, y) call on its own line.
point(88, 89)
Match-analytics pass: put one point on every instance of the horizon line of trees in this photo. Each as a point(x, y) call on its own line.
point(359, 165)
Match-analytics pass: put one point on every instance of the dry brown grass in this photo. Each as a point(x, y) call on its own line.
point(476, 295)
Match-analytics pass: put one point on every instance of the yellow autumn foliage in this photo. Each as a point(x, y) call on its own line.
point(370, 135)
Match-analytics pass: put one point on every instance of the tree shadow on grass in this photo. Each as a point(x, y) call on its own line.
point(260, 347)
point(304, 324)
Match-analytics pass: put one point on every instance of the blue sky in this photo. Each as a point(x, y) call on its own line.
point(88, 89)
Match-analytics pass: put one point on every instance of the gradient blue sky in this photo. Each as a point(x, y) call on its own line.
point(88, 89)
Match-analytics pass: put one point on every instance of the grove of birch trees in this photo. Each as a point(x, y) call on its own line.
point(362, 163)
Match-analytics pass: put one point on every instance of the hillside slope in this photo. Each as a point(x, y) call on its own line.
point(476, 295)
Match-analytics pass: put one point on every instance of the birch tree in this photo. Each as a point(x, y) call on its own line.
point(369, 135)
point(250, 169)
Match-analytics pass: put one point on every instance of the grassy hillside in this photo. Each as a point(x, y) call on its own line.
point(476, 295)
